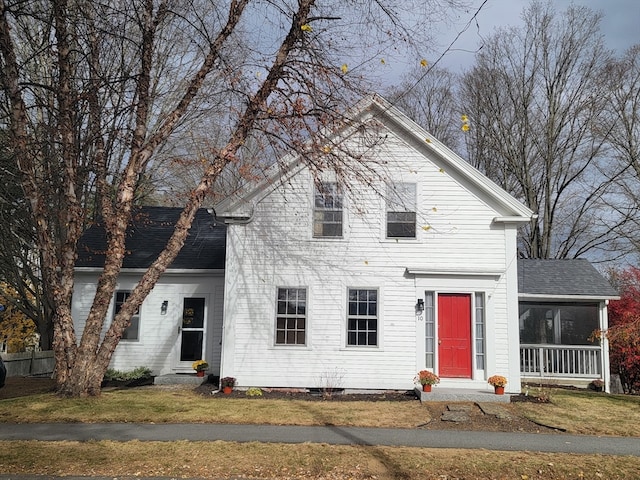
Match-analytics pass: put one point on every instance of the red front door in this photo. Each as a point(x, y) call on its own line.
point(454, 335)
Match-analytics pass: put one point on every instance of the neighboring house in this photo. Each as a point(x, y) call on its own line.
point(327, 286)
point(563, 305)
point(181, 319)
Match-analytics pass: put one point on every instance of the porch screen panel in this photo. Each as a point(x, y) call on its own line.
point(480, 335)
point(430, 333)
point(560, 324)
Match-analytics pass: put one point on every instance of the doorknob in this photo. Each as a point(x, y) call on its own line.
point(439, 342)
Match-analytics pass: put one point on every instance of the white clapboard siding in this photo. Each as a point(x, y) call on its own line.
point(456, 233)
point(156, 346)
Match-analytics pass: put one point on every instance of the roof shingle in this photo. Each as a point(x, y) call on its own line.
point(565, 277)
point(147, 235)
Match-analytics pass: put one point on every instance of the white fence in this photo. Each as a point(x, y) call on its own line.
point(568, 361)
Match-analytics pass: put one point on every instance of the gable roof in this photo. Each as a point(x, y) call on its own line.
point(566, 278)
point(240, 205)
point(147, 235)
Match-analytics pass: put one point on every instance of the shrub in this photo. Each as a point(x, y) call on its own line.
point(624, 328)
point(137, 373)
point(254, 392)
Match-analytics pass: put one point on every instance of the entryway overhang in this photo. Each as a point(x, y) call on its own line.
point(422, 272)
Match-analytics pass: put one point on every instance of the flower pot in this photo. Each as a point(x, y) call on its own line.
point(426, 387)
point(499, 390)
point(227, 390)
point(200, 373)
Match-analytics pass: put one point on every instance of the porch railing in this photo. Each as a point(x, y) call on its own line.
point(575, 361)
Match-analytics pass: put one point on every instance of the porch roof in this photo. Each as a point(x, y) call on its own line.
point(147, 235)
point(569, 279)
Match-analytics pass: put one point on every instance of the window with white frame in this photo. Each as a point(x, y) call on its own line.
point(401, 210)
point(480, 333)
point(362, 317)
point(291, 316)
point(132, 331)
point(430, 329)
point(327, 210)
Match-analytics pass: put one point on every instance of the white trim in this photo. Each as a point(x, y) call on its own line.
point(453, 273)
point(176, 271)
point(566, 298)
point(511, 220)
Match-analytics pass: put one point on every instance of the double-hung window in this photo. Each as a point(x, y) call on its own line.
point(401, 210)
point(362, 318)
point(132, 331)
point(327, 210)
point(291, 316)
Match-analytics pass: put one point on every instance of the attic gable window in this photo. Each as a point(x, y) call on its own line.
point(327, 210)
point(401, 210)
point(132, 331)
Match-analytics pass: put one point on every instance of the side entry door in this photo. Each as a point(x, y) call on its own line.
point(192, 331)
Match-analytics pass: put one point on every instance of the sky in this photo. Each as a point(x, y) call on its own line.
point(620, 25)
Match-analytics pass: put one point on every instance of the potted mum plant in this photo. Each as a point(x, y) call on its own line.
point(597, 385)
point(200, 366)
point(227, 384)
point(498, 382)
point(427, 379)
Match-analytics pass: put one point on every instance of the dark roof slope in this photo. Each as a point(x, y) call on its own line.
point(567, 277)
point(147, 235)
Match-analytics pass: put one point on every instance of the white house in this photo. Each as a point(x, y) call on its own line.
point(362, 287)
point(333, 286)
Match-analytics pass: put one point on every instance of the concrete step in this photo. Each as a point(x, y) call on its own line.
point(179, 379)
point(438, 394)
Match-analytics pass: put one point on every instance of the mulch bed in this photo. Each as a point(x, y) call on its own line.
point(207, 389)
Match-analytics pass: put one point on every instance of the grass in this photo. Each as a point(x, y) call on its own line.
point(267, 461)
point(586, 412)
point(576, 411)
point(185, 406)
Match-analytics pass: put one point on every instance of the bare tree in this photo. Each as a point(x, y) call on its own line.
point(534, 99)
point(621, 130)
point(95, 90)
point(429, 97)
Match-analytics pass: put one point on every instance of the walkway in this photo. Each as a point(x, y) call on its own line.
point(558, 443)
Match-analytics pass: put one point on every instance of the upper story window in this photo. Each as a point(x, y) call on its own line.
point(401, 210)
point(132, 331)
point(327, 210)
point(291, 316)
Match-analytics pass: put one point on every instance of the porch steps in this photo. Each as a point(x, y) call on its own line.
point(179, 379)
point(438, 394)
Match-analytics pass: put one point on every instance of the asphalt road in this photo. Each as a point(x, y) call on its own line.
point(557, 443)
